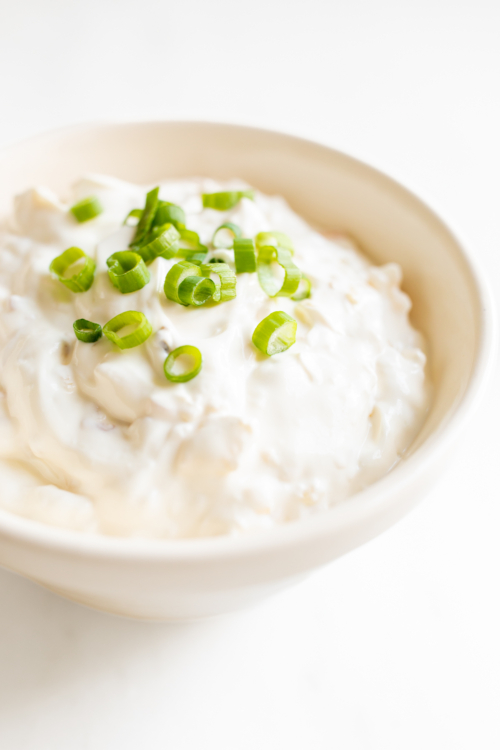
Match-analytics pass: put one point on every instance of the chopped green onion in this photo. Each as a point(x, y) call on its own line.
point(273, 239)
point(226, 200)
point(225, 235)
point(190, 352)
point(147, 216)
point(80, 281)
point(193, 256)
point(269, 283)
point(189, 239)
point(303, 290)
point(225, 287)
point(161, 240)
point(141, 329)
point(275, 334)
point(87, 331)
point(127, 271)
point(136, 213)
point(169, 213)
point(190, 247)
point(176, 276)
point(87, 209)
point(244, 256)
point(195, 290)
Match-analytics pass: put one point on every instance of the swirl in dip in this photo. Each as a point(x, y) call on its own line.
point(96, 439)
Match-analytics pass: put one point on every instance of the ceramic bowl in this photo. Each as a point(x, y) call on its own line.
point(194, 578)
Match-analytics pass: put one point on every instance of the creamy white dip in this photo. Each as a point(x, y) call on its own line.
point(96, 439)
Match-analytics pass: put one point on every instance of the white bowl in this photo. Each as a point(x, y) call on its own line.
point(194, 578)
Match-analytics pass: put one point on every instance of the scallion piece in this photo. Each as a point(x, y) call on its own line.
point(87, 331)
point(303, 290)
point(225, 287)
point(176, 276)
point(189, 239)
point(135, 328)
point(147, 216)
point(190, 247)
point(275, 334)
point(127, 271)
point(225, 200)
point(169, 213)
point(269, 283)
point(225, 235)
point(244, 256)
point(189, 352)
point(87, 209)
point(195, 290)
point(160, 241)
point(84, 276)
point(273, 239)
point(136, 213)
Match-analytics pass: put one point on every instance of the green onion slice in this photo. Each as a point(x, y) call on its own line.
point(87, 209)
point(193, 256)
point(195, 290)
point(275, 334)
point(269, 283)
point(273, 239)
point(128, 329)
point(84, 276)
point(87, 331)
point(244, 256)
point(176, 276)
point(161, 241)
point(226, 200)
point(190, 247)
point(303, 290)
point(136, 213)
point(194, 357)
point(147, 216)
point(127, 271)
point(225, 235)
point(189, 239)
point(169, 213)
point(225, 283)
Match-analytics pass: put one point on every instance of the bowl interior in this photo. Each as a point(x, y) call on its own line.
point(331, 190)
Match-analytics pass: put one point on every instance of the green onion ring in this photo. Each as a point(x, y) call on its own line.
point(176, 276)
point(190, 247)
point(142, 331)
point(169, 213)
point(303, 293)
point(187, 351)
point(267, 280)
point(147, 216)
point(80, 281)
point(225, 289)
point(136, 213)
point(225, 200)
point(228, 227)
point(127, 271)
point(161, 241)
point(275, 334)
point(273, 239)
point(195, 290)
point(244, 256)
point(87, 331)
point(87, 209)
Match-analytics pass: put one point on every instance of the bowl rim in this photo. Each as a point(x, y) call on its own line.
point(364, 504)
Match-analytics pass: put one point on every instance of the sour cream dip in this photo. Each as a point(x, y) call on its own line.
point(96, 439)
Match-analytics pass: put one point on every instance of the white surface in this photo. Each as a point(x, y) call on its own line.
point(396, 645)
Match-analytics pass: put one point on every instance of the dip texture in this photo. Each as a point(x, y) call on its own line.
point(96, 439)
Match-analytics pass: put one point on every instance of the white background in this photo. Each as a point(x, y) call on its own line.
point(397, 645)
